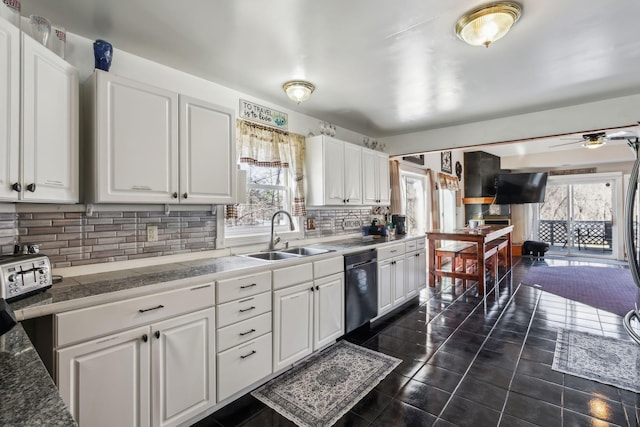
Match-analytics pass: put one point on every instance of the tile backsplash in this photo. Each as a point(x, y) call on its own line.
point(75, 238)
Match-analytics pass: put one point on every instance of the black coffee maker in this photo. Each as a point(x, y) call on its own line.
point(398, 222)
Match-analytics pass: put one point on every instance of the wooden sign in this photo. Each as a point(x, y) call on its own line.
point(264, 115)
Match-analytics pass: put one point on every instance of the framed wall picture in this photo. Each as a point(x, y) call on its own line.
point(445, 161)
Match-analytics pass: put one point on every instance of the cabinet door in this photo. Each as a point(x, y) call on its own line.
point(421, 270)
point(328, 310)
point(410, 274)
point(384, 184)
point(183, 367)
point(9, 110)
point(353, 174)
point(398, 281)
point(105, 382)
point(385, 286)
point(137, 141)
point(334, 174)
point(49, 125)
point(369, 177)
point(292, 327)
point(207, 152)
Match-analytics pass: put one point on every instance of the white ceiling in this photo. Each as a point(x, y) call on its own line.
point(381, 68)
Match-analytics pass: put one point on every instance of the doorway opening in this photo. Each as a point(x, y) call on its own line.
point(580, 215)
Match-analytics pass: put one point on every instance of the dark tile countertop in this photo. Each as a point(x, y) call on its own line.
point(28, 395)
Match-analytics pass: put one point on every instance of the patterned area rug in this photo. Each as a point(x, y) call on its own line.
point(320, 391)
point(603, 359)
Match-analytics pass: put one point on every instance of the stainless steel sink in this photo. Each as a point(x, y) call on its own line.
point(306, 251)
point(272, 255)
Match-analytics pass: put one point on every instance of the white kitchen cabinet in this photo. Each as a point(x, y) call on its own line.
point(38, 96)
point(375, 182)
point(308, 309)
point(9, 110)
point(183, 369)
point(105, 382)
point(151, 145)
point(245, 346)
point(334, 170)
point(328, 310)
point(49, 126)
point(293, 324)
point(391, 277)
point(207, 152)
point(159, 375)
point(411, 274)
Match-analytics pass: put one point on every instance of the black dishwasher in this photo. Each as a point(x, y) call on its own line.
point(361, 288)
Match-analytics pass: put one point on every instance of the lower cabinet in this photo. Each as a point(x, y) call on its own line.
point(161, 374)
point(307, 317)
point(391, 283)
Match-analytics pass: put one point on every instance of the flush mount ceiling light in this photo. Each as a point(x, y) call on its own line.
point(488, 23)
point(594, 140)
point(298, 90)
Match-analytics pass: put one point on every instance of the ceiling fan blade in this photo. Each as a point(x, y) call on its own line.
point(567, 143)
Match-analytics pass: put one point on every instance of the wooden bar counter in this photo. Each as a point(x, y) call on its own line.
point(482, 237)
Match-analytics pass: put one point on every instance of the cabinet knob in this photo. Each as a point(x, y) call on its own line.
point(145, 338)
point(16, 187)
point(175, 195)
point(317, 288)
point(31, 187)
point(157, 334)
point(347, 200)
point(312, 289)
point(185, 195)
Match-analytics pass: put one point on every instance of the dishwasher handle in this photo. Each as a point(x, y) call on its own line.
point(360, 264)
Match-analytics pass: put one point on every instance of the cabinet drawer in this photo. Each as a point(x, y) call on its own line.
point(390, 251)
point(288, 276)
point(327, 267)
point(243, 365)
point(79, 325)
point(241, 287)
point(421, 243)
point(410, 246)
point(244, 331)
point(242, 309)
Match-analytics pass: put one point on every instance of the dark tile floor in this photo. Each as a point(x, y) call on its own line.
point(469, 362)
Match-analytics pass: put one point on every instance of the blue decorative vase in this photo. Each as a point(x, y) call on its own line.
point(103, 53)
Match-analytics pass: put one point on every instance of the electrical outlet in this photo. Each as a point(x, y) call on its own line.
point(311, 223)
point(152, 233)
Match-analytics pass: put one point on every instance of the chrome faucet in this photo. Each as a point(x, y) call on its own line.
point(274, 240)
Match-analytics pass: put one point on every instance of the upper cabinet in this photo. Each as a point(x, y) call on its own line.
point(334, 171)
point(9, 110)
point(340, 173)
point(42, 164)
point(150, 145)
point(376, 186)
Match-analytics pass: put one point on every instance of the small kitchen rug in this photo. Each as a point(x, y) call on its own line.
point(594, 357)
point(317, 393)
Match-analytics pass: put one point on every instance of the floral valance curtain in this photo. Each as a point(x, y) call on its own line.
point(269, 147)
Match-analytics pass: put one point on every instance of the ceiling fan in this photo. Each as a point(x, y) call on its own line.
point(597, 139)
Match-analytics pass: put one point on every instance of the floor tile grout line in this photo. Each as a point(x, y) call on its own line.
point(515, 368)
point(439, 417)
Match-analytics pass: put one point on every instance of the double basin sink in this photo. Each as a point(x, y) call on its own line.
point(287, 253)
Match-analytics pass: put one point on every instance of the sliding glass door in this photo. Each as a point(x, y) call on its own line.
point(580, 215)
